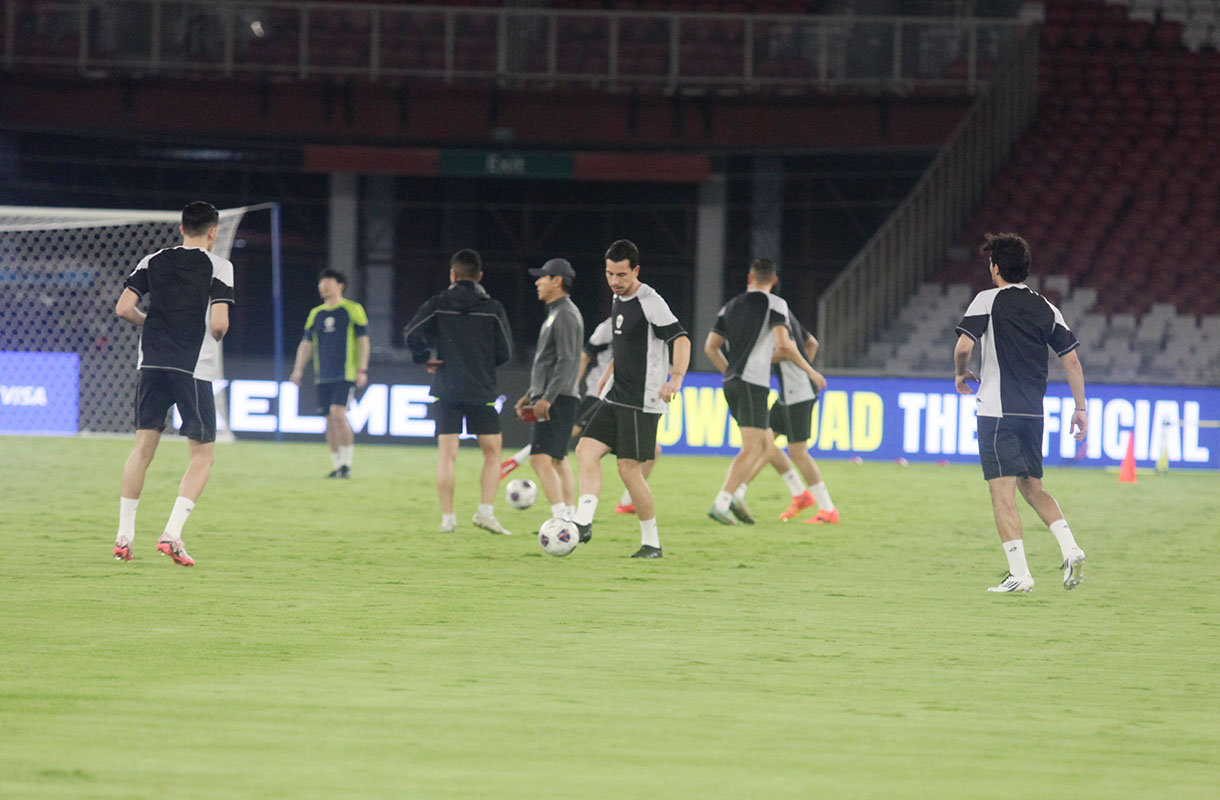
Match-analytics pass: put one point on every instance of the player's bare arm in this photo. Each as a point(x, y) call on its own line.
point(304, 351)
point(126, 309)
point(363, 347)
point(788, 351)
point(220, 320)
point(677, 371)
point(601, 385)
point(711, 349)
point(1075, 379)
point(584, 367)
point(961, 364)
point(811, 348)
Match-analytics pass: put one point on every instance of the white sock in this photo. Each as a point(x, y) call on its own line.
point(177, 518)
point(1015, 550)
point(722, 501)
point(485, 510)
point(822, 496)
point(648, 532)
point(1063, 535)
point(345, 455)
point(448, 519)
point(569, 513)
point(586, 507)
point(336, 458)
point(625, 498)
point(558, 510)
point(794, 482)
point(739, 493)
point(522, 455)
point(127, 518)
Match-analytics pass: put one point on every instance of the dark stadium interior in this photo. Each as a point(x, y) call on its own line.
point(230, 107)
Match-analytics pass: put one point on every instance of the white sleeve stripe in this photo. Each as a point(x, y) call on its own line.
point(407, 332)
point(963, 331)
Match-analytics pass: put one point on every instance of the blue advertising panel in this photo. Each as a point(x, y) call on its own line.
point(926, 420)
point(39, 392)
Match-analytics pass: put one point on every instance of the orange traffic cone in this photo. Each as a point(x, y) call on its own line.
point(1126, 472)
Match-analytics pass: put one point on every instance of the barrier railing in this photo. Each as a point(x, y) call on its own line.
point(659, 50)
point(912, 242)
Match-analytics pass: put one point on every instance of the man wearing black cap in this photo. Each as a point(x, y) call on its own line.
point(554, 395)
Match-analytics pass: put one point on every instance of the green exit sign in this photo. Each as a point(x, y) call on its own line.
point(478, 163)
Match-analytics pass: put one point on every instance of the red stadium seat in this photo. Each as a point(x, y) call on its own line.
point(1117, 183)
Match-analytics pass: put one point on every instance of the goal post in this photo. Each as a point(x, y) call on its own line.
point(61, 346)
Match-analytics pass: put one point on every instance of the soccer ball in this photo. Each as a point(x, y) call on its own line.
point(521, 493)
point(558, 536)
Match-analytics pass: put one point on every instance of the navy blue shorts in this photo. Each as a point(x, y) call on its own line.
point(334, 393)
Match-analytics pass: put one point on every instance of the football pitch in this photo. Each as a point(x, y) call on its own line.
point(332, 644)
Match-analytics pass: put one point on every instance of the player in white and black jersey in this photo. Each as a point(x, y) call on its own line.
point(792, 416)
point(753, 328)
point(1015, 325)
point(639, 380)
point(188, 290)
point(593, 363)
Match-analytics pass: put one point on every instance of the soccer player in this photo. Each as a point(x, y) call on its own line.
point(336, 333)
point(462, 335)
point(553, 391)
point(791, 416)
point(189, 291)
point(754, 325)
point(593, 362)
point(634, 390)
point(1015, 325)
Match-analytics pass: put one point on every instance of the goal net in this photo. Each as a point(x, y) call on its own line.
point(61, 272)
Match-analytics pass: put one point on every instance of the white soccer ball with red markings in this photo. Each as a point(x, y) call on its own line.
point(521, 493)
point(558, 536)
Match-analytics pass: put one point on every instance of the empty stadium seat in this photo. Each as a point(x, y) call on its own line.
point(1117, 185)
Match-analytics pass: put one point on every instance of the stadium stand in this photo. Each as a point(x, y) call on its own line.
point(1117, 188)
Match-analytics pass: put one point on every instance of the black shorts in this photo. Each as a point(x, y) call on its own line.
point(747, 402)
point(588, 407)
point(793, 420)
point(1010, 446)
point(334, 393)
point(629, 432)
point(552, 436)
point(158, 389)
point(482, 419)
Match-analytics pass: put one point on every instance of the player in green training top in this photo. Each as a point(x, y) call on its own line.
point(336, 334)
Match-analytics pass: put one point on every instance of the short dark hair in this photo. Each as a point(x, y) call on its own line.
point(198, 217)
point(467, 265)
point(624, 250)
point(567, 284)
point(333, 273)
point(1010, 253)
point(763, 269)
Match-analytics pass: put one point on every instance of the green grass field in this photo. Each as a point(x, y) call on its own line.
point(331, 644)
